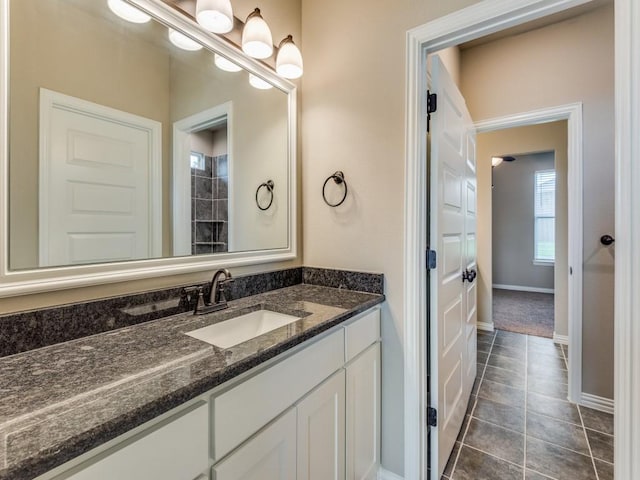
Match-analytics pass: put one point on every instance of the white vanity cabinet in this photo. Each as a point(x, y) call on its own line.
point(310, 414)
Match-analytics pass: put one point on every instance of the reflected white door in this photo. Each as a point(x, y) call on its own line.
point(100, 192)
point(452, 235)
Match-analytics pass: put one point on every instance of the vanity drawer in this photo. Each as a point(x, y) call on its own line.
point(241, 411)
point(362, 332)
point(176, 450)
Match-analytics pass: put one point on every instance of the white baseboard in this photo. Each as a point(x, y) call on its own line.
point(596, 402)
point(521, 288)
point(387, 475)
point(561, 339)
point(487, 327)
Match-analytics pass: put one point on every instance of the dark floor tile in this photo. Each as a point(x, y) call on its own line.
point(605, 470)
point(517, 341)
point(548, 387)
point(601, 445)
point(471, 404)
point(531, 475)
point(485, 336)
point(596, 420)
point(495, 440)
point(557, 432)
point(558, 462)
point(545, 360)
point(544, 372)
point(502, 393)
point(506, 377)
point(511, 352)
point(506, 362)
point(500, 414)
point(482, 358)
point(484, 347)
point(552, 407)
point(544, 346)
point(475, 465)
point(452, 460)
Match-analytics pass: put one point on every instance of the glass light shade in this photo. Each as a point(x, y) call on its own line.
point(257, 41)
point(127, 11)
point(215, 15)
point(259, 83)
point(495, 161)
point(226, 65)
point(289, 59)
point(182, 41)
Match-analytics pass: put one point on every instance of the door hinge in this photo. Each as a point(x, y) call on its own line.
point(432, 417)
point(431, 259)
point(432, 106)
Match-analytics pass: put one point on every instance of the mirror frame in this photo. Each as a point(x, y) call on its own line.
point(21, 282)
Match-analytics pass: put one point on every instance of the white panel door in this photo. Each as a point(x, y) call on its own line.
point(99, 183)
point(270, 455)
point(450, 177)
point(321, 432)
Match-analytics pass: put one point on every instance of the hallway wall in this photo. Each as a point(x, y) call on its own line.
point(570, 61)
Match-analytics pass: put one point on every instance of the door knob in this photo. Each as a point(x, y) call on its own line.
point(607, 240)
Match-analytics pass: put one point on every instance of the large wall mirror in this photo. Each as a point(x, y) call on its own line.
point(128, 149)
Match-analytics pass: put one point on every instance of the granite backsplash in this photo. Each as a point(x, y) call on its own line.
point(20, 332)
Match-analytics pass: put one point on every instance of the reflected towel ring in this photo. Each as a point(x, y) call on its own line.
point(338, 178)
point(269, 186)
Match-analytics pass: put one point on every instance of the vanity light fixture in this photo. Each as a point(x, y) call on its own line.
point(215, 15)
point(180, 40)
point(259, 83)
point(257, 41)
point(289, 59)
point(128, 12)
point(227, 65)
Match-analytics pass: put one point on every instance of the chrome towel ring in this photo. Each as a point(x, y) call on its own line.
point(269, 185)
point(338, 178)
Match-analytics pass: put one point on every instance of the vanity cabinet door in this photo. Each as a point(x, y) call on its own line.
point(363, 414)
point(270, 455)
point(321, 424)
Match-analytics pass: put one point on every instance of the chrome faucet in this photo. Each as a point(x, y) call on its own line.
point(217, 300)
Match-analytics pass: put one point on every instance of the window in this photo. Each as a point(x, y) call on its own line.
point(197, 160)
point(544, 242)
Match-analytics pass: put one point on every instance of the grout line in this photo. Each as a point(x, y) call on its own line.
point(584, 430)
point(526, 401)
point(566, 362)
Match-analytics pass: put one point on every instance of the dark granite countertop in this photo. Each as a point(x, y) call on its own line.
point(63, 400)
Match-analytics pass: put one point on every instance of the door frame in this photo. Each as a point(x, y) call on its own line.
point(572, 113)
point(181, 179)
point(463, 25)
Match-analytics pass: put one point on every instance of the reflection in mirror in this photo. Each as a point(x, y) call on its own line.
point(127, 142)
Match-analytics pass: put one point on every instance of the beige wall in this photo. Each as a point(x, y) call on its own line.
point(284, 17)
point(571, 61)
point(535, 138)
point(353, 114)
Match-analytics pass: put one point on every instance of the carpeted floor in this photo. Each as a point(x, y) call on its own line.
point(523, 312)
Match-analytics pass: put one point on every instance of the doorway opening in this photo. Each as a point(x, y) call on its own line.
point(423, 42)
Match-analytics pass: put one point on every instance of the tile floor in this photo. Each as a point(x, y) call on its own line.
point(519, 424)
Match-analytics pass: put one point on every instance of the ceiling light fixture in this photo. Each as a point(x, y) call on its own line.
point(180, 40)
point(495, 161)
point(259, 83)
point(257, 41)
point(128, 12)
point(215, 15)
point(289, 59)
point(224, 64)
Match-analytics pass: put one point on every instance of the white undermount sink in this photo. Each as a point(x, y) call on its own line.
point(236, 330)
